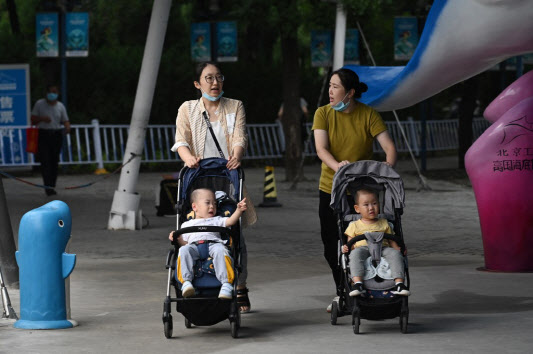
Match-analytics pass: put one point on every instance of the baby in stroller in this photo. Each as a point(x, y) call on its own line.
point(204, 205)
point(209, 298)
point(367, 205)
point(382, 280)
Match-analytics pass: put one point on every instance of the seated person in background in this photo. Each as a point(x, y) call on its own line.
point(205, 209)
point(367, 204)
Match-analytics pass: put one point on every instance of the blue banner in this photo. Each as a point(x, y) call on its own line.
point(77, 33)
point(47, 34)
point(227, 41)
point(14, 110)
point(405, 37)
point(321, 48)
point(351, 47)
point(201, 41)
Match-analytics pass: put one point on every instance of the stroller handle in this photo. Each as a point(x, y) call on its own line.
point(362, 237)
point(192, 229)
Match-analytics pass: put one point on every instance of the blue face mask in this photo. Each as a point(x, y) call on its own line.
point(211, 98)
point(51, 96)
point(341, 106)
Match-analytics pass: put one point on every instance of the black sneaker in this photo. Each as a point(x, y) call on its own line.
point(401, 289)
point(50, 191)
point(357, 289)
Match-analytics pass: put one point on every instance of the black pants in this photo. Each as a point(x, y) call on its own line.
point(330, 236)
point(50, 142)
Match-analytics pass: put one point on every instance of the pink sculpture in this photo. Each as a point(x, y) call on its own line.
point(500, 166)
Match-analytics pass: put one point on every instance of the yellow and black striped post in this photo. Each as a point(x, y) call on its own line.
point(270, 195)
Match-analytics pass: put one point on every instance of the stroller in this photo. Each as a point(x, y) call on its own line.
point(205, 308)
point(377, 301)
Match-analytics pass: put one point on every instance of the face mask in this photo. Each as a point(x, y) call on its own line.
point(51, 96)
point(211, 98)
point(341, 106)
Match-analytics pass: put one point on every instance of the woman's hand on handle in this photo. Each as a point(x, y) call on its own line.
point(192, 161)
point(187, 157)
point(342, 163)
point(233, 163)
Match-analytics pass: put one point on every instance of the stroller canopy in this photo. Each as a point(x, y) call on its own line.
point(211, 167)
point(367, 174)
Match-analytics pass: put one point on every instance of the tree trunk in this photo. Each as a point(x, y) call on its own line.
point(466, 115)
point(292, 112)
point(13, 16)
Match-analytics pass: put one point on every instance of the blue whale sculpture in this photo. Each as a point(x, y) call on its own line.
point(44, 266)
point(461, 38)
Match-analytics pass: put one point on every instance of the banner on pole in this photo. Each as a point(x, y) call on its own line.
point(14, 110)
point(405, 37)
point(351, 47)
point(77, 33)
point(321, 48)
point(47, 34)
point(201, 41)
point(227, 41)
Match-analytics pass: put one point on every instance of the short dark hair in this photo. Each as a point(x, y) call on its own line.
point(365, 190)
point(50, 85)
point(350, 80)
point(194, 193)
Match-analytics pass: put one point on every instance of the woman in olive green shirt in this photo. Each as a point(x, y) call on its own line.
point(344, 132)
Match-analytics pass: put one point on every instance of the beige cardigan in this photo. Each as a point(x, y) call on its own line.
point(191, 128)
point(191, 131)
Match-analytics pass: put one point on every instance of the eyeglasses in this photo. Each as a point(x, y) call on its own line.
point(210, 79)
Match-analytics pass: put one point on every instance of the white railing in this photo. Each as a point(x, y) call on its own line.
point(100, 144)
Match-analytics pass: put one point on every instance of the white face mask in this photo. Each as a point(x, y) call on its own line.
point(341, 106)
point(211, 98)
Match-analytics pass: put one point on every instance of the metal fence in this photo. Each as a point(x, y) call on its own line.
point(100, 144)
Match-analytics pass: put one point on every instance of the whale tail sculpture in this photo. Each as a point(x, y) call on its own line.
point(460, 39)
point(44, 265)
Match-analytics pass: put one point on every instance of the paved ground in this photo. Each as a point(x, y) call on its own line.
point(118, 285)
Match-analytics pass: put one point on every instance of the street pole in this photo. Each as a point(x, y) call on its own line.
point(8, 262)
point(125, 212)
point(340, 37)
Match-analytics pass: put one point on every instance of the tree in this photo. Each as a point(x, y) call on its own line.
point(13, 17)
point(288, 31)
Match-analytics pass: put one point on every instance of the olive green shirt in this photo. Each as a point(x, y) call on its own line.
point(351, 136)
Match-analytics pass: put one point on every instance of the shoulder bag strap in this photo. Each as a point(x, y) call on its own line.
point(213, 134)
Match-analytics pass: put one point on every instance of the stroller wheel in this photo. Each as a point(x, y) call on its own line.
point(356, 321)
point(234, 329)
point(404, 319)
point(334, 312)
point(168, 326)
point(187, 323)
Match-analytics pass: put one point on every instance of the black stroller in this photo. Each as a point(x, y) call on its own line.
point(377, 301)
point(205, 308)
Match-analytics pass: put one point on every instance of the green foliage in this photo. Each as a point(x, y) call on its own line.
point(104, 85)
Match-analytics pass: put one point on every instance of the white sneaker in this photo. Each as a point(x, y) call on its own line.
point(328, 309)
point(187, 290)
point(226, 291)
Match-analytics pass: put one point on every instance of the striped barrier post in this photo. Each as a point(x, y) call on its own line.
point(270, 195)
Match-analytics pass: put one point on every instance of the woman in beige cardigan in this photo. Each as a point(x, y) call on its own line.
point(195, 142)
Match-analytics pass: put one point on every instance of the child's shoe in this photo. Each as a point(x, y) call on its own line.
point(357, 289)
point(187, 290)
point(401, 289)
point(226, 291)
